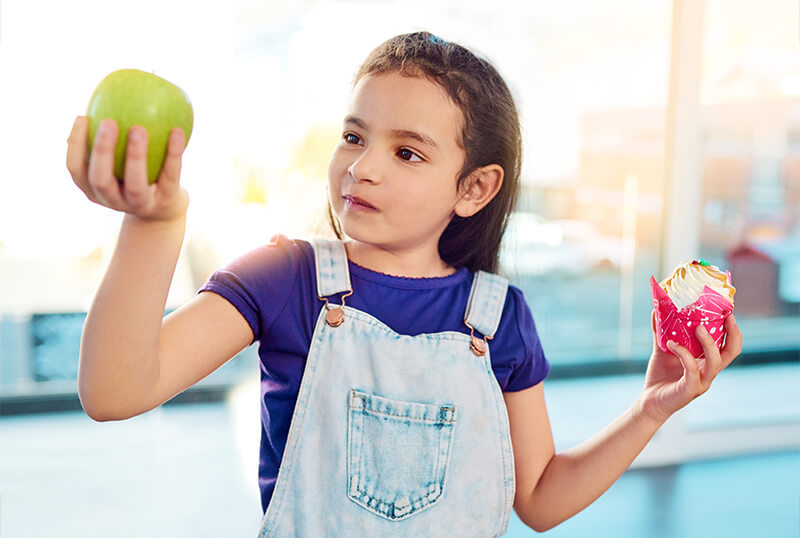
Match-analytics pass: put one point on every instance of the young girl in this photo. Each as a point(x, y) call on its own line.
point(401, 377)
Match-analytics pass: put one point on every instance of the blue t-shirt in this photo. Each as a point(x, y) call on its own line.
point(274, 288)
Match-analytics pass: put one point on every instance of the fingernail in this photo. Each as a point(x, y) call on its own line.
point(670, 343)
point(135, 135)
point(703, 329)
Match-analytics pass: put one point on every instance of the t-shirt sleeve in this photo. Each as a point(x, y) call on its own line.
point(258, 283)
point(531, 366)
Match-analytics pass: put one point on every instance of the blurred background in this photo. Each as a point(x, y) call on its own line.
point(654, 133)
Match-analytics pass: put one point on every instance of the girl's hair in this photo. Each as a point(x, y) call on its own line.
point(490, 135)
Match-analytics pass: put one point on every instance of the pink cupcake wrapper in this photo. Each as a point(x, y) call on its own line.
point(710, 309)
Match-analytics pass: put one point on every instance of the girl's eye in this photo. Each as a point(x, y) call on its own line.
point(408, 155)
point(350, 138)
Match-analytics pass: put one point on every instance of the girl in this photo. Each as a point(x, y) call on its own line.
point(401, 377)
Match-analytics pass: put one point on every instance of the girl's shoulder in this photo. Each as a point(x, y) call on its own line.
point(280, 255)
point(518, 310)
point(263, 280)
point(517, 341)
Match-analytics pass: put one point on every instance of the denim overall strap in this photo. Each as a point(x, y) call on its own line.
point(485, 304)
point(330, 258)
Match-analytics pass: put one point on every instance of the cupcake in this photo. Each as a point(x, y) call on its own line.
point(696, 293)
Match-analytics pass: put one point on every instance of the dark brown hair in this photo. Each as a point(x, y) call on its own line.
point(490, 135)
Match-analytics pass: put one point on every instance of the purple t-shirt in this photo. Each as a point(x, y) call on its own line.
point(274, 288)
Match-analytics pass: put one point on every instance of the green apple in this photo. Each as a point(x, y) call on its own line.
point(133, 97)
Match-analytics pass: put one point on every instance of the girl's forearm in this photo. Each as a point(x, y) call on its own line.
point(118, 364)
point(574, 479)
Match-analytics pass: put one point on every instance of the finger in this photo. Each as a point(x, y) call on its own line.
point(77, 163)
point(713, 361)
point(691, 370)
point(169, 178)
point(733, 341)
point(137, 192)
point(101, 165)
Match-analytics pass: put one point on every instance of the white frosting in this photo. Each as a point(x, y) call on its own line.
point(686, 283)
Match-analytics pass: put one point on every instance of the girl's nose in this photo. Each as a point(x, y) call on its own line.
point(365, 168)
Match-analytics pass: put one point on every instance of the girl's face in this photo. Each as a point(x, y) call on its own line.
point(398, 153)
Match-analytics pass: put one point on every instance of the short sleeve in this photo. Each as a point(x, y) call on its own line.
point(530, 366)
point(258, 283)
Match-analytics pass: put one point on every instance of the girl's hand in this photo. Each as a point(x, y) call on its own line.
point(672, 382)
point(164, 200)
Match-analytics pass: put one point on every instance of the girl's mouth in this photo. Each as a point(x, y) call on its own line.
point(354, 203)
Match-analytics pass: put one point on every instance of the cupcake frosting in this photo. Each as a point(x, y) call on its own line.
point(687, 281)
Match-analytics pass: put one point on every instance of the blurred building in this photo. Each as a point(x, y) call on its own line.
point(750, 172)
point(617, 145)
point(750, 169)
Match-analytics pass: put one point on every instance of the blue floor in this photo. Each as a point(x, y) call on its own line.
point(190, 470)
point(745, 497)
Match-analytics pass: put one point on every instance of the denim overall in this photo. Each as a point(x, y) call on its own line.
point(395, 435)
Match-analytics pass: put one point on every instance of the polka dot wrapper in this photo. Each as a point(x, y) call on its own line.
point(710, 310)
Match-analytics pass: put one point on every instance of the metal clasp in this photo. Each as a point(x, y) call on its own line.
point(477, 346)
point(334, 315)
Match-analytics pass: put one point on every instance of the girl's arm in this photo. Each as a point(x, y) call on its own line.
point(132, 359)
point(553, 487)
point(118, 364)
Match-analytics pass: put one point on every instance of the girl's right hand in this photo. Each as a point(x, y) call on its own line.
point(164, 200)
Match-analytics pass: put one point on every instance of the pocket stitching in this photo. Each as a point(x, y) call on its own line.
point(406, 417)
point(428, 498)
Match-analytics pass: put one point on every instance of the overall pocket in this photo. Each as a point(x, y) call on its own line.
point(397, 453)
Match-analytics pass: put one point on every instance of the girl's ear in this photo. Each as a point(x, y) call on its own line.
point(479, 189)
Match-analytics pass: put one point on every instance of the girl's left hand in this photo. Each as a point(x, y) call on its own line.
point(672, 382)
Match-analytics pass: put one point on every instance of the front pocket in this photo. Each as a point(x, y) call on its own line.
point(397, 453)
